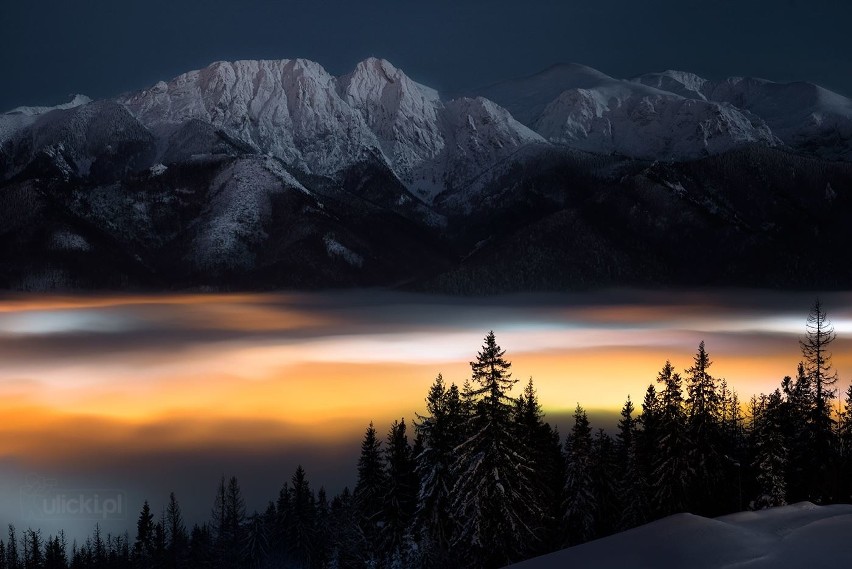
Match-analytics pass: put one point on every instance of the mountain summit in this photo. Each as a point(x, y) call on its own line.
point(275, 173)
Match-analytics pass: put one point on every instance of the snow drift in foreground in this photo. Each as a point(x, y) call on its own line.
point(800, 535)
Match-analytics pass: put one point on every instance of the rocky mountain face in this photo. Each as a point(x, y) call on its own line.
point(277, 174)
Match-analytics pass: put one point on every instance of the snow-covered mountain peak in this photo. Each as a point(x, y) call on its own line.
point(22, 117)
point(378, 75)
point(681, 83)
point(584, 108)
point(76, 100)
point(289, 108)
point(401, 113)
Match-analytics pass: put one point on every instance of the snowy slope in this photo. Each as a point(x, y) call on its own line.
point(801, 114)
point(296, 111)
point(290, 108)
point(586, 109)
point(239, 208)
point(796, 536)
point(480, 134)
point(402, 114)
point(20, 117)
point(99, 138)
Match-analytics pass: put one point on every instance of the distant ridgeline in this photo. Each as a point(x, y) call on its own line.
point(486, 481)
point(258, 175)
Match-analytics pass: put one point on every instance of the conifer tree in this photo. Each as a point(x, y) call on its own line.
point(369, 493)
point(632, 491)
point(322, 536)
point(581, 508)
point(672, 474)
point(543, 449)
point(301, 529)
point(200, 547)
point(282, 520)
point(647, 440)
point(55, 554)
point(143, 548)
point(13, 561)
point(703, 422)
point(256, 548)
point(494, 495)
point(771, 458)
point(819, 334)
point(33, 557)
point(605, 483)
point(440, 432)
point(176, 531)
point(400, 498)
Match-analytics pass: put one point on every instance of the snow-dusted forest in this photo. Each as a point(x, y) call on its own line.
point(481, 480)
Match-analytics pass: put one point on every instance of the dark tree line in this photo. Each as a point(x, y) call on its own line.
point(482, 480)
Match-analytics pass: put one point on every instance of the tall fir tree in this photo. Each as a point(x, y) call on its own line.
point(771, 454)
point(819, 334)
point(494, 490)
point(370, 493)
point(301, 526)
point(440, 431)
point(704, 431)
point(143, 547)
point(400, 498)
point(542, 446)
point(672, 473)
point(581, 507)
point(176, 531)
point(632, 490)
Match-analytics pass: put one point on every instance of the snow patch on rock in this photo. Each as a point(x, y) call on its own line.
point(336, 249)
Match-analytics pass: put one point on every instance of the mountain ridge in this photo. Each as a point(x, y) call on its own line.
point(275, 173)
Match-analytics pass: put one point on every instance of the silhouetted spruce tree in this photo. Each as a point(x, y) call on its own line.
point(440, 431)
point(400, 499)
point(281, 549)
point(494, 493)
point(703, 424)
point(176, 532)
point(369, 494)
point(771, 454)
point(605, 481)
point(160, 542)
point(632, 490)
point(647, 439)
point(734, 450)
point(200, 547)
point(672, 473)
point(143, 547)
point(844, 435)
point(301, 529)
point(544, 450)
point(99, 550)
point(256, 548)
point(33, 554)
point(581, 508)
point(799, 436)
point(347, 550)
point(56, 556)
point(228, 519)
point(323, 535)
point(819, 334)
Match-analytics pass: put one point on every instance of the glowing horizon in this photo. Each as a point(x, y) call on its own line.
point(255, 370)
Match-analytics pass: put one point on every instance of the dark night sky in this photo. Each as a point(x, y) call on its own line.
point(51, 48)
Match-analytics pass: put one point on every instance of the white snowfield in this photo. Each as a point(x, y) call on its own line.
point(294, 110)
point(799, 536)
point(297, 111)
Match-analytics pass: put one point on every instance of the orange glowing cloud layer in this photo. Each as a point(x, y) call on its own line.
point(145, 374)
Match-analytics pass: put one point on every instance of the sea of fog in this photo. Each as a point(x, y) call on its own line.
point(136, 396)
